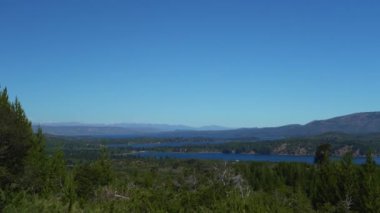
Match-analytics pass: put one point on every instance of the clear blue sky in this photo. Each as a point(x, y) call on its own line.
point(233, 63)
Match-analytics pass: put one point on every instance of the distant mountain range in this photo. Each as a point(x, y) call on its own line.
point(358, 123)
point(119, 129)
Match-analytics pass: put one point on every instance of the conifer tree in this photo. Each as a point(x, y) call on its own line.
point(16, 138)
point(369, 189)
point(36, 162)
point(322, 155)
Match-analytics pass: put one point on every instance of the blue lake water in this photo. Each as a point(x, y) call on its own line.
point(238, 157)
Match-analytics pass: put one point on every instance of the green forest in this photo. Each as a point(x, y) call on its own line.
point(40, 177)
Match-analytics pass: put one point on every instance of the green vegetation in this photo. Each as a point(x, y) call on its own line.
point(88, 178)
point(340, 143)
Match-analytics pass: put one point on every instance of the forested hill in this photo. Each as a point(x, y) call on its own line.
point(359, 123)
point(367, 122)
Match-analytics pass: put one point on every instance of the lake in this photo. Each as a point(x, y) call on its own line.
point(238, 157)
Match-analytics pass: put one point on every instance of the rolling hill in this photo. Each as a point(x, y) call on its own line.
point(358, 123)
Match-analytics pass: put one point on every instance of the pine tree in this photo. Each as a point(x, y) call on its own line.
point(36, 163)
point(16, 138)
point(347, 182)
point(322, 155)
point(369, 186)
point(325, 183)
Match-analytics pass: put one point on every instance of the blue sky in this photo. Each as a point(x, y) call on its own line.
point(233, 63)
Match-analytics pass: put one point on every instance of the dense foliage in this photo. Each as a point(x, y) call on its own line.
point(16, 138)
point(34, 180)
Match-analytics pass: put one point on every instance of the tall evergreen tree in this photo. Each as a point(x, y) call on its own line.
point(16, 138)
point(36, 162)
point(369, 185)
point(322, 155)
